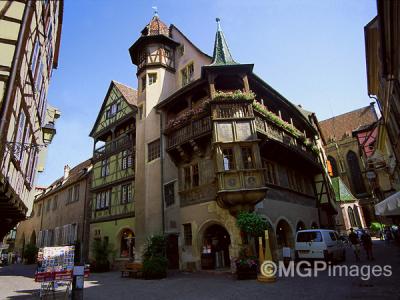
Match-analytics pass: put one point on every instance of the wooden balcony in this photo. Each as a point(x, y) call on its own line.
point(187, 132)
point(121, 143)
point(273, 132)
point(198, 194)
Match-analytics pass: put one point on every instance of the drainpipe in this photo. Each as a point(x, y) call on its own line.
point(15, 67)
point(162, 172)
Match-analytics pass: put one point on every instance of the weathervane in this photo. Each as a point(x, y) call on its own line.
point(218, 23)
point(155, 10)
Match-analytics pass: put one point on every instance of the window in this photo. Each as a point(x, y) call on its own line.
point(187, 179)
point(140, 112)
point(143, 80)
point(310, 236)
point(55, 200)
point(187, 233)
point(152, 78)
point(270, 172)
point(332, 167)
point(187, 74)
point(169, 194)
point(181, 50)
point(127, 159)
point(355, 172)
point(39, 78)
point(333, 236)
point(76, 193)
point(228, 159)
point(112, 111)
point(195, 175)
point(247, 158)
point(291, 179)
point(103, 200)
point(20, 135)
point(35, 55)
point(105, 168)
point(70, 195)
point(153, 150)
point(126, 193)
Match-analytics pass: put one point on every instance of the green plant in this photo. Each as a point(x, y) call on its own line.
point(252, 223)
point(101, 250)
point(236, 95)
point(30, 253)
point(154, 258)
point(376, 226)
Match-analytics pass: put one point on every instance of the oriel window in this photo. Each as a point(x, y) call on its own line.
point(247, 158)
point(228, 159)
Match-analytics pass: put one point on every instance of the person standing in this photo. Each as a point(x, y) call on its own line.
point(367, 243)
point(355, 243)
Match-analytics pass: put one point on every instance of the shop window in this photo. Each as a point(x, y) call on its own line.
point(187, 233)
point(228, 159)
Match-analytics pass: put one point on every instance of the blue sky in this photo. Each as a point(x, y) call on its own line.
point(311, 51)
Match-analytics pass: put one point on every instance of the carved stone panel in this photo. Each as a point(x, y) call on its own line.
point(243, 130)
point(225, 132)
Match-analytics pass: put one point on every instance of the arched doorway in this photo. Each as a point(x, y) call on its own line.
point(215, 248)
point(351, 216)
point(300, 226)
point(314, 225)
point(127, 244)
point(284, 234)
point(32, 240)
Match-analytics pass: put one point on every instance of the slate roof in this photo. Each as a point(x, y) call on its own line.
point(341, 126)
point(221, 55)
point(76, 174)
point(127, 92)
point(342, 192)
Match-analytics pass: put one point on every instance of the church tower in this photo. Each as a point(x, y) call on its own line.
point(153, 54)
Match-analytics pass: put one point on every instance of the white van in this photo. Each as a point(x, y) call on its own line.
point(319, 244)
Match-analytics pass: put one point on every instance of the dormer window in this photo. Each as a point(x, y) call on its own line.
point(187, 74)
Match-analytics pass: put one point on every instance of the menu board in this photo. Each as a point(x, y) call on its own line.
point(56, 259)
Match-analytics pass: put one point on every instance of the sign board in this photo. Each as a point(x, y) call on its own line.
point(56, 259)
point(79, 270)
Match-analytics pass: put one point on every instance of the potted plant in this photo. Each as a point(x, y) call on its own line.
point(246, 265)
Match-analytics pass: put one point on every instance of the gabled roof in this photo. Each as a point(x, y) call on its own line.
point(341, 126)
point(342, 192)
point(76, 174)
point(128, 93)
point(221, 54)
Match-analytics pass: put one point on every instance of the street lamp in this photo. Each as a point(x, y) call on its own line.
point(48, 132)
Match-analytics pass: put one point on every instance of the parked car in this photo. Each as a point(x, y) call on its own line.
point(319, 244)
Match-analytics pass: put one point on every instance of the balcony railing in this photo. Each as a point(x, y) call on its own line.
point(273, 132)
point(232, 111)
point(192, 130)
point(198, 194)
point(114, 146)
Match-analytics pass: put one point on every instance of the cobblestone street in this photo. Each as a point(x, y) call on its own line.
point(16, 283)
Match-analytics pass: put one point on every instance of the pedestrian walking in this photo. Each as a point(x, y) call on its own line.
point(355, 243)
point(367, 243)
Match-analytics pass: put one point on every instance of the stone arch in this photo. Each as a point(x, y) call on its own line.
point(214, 240)
point(300, 225)
point(284, 233)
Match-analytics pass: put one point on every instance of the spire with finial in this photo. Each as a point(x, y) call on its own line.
point(221, 55)
point(155, 13)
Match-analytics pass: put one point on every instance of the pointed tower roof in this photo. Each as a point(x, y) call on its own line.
point(221, 55)
point(155, 27)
